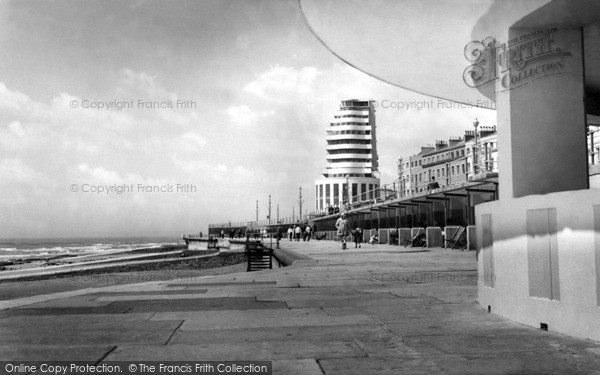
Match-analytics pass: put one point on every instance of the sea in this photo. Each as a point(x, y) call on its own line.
point(21, 248)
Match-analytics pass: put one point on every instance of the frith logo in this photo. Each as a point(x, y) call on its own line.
point(515, 63)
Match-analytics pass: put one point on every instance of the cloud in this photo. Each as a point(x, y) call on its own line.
point(140, 85)
point(282, 83)
point(243, 116)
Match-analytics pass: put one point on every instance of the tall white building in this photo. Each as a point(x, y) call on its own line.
point(351, 172)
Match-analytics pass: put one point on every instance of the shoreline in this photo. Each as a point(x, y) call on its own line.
point(115, 274)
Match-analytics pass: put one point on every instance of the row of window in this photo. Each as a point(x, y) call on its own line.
point(350, 142)
point(347, 151)
point(332, 200)
point(439, 173)
point(349, 160)
point(449, 155)
point(359, 132)
point(349, 123)
point(352, 116)
point(339, 175)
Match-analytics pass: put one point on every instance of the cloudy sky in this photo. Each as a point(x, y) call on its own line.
point(264, 89)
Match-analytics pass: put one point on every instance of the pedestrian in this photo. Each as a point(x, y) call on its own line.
point(342, 229)
point(308, 232)
point(358, 235)
point(298, 231)
point(222, 233)
point(290, 233)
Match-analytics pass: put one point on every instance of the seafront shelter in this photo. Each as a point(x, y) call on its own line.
point(537, 63)
point(452, 206)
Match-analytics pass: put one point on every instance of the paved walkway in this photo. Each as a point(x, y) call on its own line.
point(374, 310)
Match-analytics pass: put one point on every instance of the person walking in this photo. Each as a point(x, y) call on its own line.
point(308, 232)
point(342, 229)
point(290, 233)
point(358, 235)
point(297, 231)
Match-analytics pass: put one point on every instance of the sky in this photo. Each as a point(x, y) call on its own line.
point(246, 93)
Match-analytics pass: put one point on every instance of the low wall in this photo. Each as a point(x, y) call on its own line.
point(404, 235)
point(471, 238)
point(384, 236)
point(288, 258)
point(539, 260)
point(434, 237)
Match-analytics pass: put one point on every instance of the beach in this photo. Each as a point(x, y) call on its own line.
point(51, 274)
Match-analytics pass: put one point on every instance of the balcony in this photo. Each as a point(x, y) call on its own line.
point(349, 122)
point(345, 146)
point(353, 164)
point(331, 169)
point(338, 137)
point(349, 156)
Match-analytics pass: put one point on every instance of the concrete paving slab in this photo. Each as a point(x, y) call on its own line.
point(64, 325)
point(152, 291)
point(202, 323)
point(150, 297)
point(480, 344)
point(53, 353)
point(197, 304)
point(50, 320)
point(84, 337)
point(378, 365)
point(426, 327)
point(65, 303)
point(103, 309)
point(204, 284)
point(255, 351)
point(286, 333)
point(518, 363)
point(296, 367)
point(357, 301)
point(236, 315)
point(402, 312)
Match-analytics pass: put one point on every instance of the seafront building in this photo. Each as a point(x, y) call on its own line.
point(351, 170)
point(451, 163)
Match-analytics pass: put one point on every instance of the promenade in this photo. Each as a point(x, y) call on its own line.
point(375, 310)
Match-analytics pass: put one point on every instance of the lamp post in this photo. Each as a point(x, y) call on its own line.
point(476, 147)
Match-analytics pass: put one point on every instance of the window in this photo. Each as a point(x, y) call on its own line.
point(336, 193)
point(463, 168)
point(321, 197)
point(327, 194)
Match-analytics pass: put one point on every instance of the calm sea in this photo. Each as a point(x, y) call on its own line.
point(14, 248)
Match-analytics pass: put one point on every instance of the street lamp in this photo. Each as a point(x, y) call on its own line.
point(476, 147)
